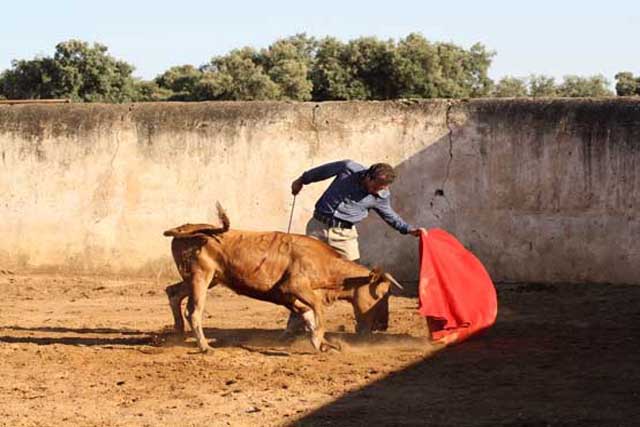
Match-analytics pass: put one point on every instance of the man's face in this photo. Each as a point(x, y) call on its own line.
point(374, 186)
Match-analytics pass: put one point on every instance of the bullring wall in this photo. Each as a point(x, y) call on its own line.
point(540, 190)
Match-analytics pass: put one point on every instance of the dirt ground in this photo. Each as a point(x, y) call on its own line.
point(93, 351)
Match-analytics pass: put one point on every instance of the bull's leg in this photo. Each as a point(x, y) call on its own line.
point(298, 320)
point(189, 312)
point(295, 325)
point(177, 293)
point(381, 322)
point(310, 320)
point(190, 305)
point(308, 297)
point(301, 318)
point(199, 285)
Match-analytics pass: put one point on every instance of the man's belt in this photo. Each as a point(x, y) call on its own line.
point(331, 221)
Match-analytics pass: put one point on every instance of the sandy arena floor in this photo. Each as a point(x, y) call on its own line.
point(92, 351)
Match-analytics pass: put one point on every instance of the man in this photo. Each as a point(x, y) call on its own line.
point(354, 191)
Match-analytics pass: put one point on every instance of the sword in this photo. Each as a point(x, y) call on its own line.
point(293, 205)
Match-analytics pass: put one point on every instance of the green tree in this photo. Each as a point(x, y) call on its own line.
point(287, 62)
point(368, 68)
point(181, 81)
point(238, 75)
point(305, 46)
point(77, 71)
point(331, 77)
point(463, 73)
point(477, 66)
point(416, 70)
point(451, 80)
point(293, 68)
point(34, 79)
point(627, 84)
point(576, 86)
point(372, 62)
point(542, 86)
point(149, 91)
point(359, 69)
point(88, 73)
point(213, 86)
point(510, 87)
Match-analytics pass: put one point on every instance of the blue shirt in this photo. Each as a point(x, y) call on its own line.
point(347, 199)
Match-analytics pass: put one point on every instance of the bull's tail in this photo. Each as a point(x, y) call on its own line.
point(201, 230)
point(222, 216)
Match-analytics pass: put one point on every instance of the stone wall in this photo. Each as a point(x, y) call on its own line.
point(542, 191)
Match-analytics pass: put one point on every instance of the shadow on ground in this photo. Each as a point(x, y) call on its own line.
point(45, 335)
point(247, 338)
point(559, 355)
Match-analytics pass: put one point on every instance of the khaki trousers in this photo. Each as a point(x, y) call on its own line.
point(343, 240)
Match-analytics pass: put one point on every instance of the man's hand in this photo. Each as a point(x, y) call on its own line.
point(296, 186)
point(417, 231)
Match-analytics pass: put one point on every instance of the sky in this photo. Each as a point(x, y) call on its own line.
point(554, 38)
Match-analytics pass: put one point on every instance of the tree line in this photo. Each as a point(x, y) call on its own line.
point(298, 68)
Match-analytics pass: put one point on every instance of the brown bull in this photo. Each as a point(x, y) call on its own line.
point(298, 272)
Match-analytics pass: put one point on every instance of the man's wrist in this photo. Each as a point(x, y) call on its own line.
point(416, 231)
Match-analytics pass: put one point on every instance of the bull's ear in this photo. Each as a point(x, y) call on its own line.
point(375, 275)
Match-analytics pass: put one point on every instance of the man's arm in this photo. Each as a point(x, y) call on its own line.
point(386, 212)
point(390, 216)
point(321, 173)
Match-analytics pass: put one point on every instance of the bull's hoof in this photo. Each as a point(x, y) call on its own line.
point(327, 346)
point(204, 347)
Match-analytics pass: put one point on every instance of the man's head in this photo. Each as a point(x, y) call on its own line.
point(378, 177)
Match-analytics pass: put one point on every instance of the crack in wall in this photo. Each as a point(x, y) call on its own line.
point(107, 177)
point(440, 190)
point(316, 132)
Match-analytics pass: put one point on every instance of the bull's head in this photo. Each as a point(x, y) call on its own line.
point(371, 302)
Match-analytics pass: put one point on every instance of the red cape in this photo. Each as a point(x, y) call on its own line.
point(456, 293)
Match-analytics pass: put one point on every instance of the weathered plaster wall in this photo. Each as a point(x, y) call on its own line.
point(540, 190)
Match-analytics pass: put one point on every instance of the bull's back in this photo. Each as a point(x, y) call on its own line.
point(263, 258)
point(257, 259)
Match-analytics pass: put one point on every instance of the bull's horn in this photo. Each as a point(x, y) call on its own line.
point(394, 281)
